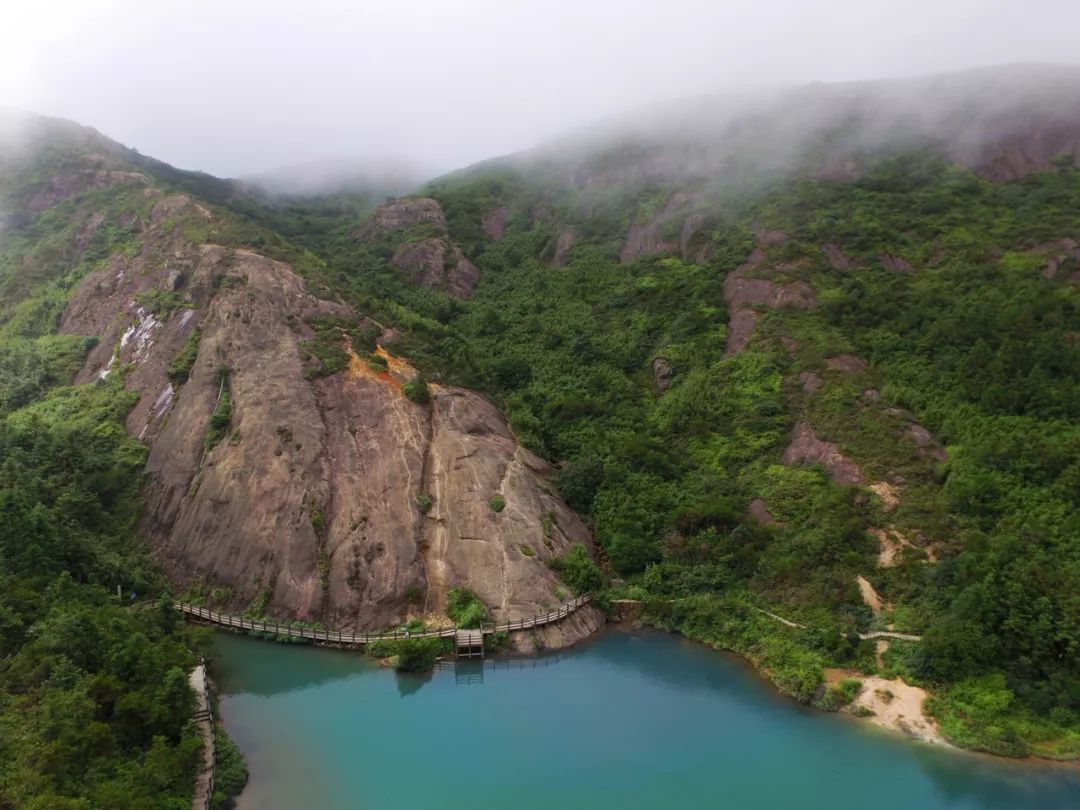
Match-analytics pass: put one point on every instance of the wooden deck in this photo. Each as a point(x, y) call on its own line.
point(278, 628)
point(469, 643)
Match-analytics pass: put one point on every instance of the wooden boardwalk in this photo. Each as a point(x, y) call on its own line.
point(277, 628)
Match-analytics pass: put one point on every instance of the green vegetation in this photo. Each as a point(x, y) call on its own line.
point(974, 344)
point(578, 570)
point(977, 344)
point(95, 706)
point(162, 303)
point(417, 390)
point(412, 655)
point(465, 608)
point(230, 772)
point(334, 339)
point(497, 503)
point(840, 695)
point(180, 368)
point(221, 418)
point(424, 502)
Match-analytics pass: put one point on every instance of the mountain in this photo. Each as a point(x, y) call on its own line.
point(813, 353)
point(810, 354)
point(287, 461)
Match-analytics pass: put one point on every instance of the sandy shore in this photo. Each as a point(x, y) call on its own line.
point(895, 705)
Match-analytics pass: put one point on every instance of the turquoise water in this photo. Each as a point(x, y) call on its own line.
point(626, 721)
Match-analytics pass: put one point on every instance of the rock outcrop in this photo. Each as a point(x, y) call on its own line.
point(402, 215)
point(663, 234)
point(563, 243)
point(745, 290)
point(927, 444)
point(836, 257)
point(663, 374)
point(1060, 254)
point(494, 222)
point(847, 364)
point(335, 498)
point(895, 264)
point(437, 263)
point(416, 228)
point(806, 448)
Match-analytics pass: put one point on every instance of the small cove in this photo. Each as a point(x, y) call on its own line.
point(628, 719)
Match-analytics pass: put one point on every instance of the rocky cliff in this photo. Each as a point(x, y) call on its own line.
point(272, 483)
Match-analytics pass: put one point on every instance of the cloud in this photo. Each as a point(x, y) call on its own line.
point(236, 88)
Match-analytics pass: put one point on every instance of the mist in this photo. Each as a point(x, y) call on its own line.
point(412, 90)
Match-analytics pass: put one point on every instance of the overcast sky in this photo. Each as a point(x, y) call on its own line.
point(236, 87)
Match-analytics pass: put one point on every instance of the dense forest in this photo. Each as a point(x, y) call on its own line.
point(969, 342)
point(95, 704)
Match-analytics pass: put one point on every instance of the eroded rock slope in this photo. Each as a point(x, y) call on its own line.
point(329, 497)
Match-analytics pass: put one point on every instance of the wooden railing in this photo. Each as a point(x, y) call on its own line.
point(341, 637)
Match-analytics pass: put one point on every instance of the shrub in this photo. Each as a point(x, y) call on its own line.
point(424, 503)
point(497, 503)
point(578, 570)
point(465, 608)
point(222, 416)
point(180, 368)
point(230, 771)
point(412, 654)
point(417, 390)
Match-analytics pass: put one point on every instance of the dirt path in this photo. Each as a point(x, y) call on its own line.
point(204, 781)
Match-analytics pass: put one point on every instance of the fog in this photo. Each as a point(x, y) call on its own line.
point(243, 88)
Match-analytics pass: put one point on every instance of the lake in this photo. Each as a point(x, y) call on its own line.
point(627, 720)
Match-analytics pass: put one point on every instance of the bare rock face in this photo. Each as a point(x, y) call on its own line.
point(744, 293)
point(767, 238)
point(739, 331)
point(644, 240)
point(310, 502)
point(1020, 148)
point(401, 215)
point(927, 444)
point(663, 373)
point(811, 382)
point(847, 364)
point(895, 264)
point(494, 222)
point(437, 263)
point(582, 623)
point(563, 244)
point(67, 185)
point(432, 260)
point(807, 449)
point(690, 229)
point(1059, 253)
point(759, 511)
point(836, 257)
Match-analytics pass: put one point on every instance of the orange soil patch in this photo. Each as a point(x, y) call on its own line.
point(397, 371)
point(890, 542)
